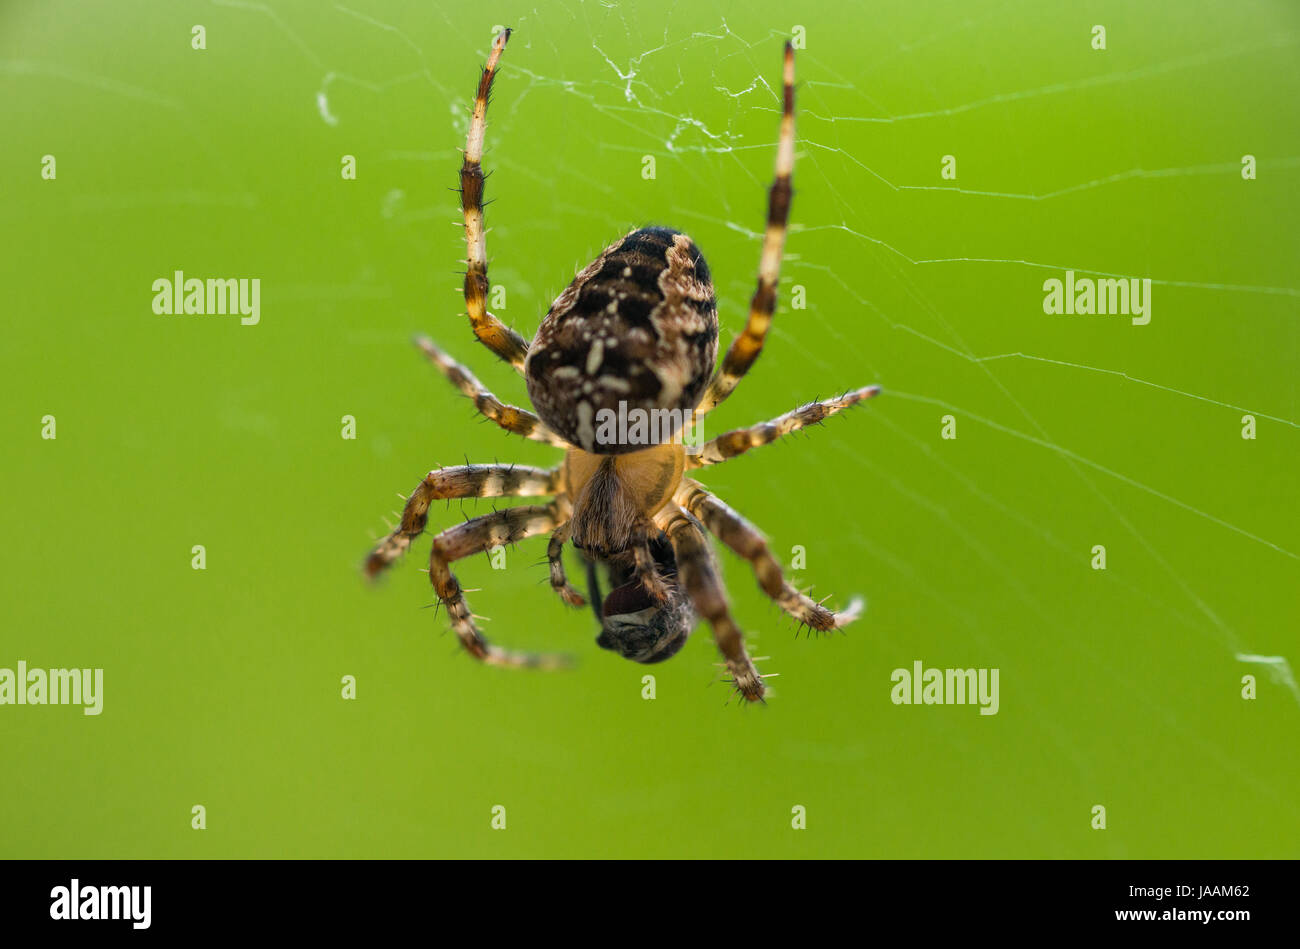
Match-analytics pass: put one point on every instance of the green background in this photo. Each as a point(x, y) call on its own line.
point(222, 687)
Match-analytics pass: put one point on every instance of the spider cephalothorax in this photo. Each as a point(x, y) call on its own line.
point(620, 369)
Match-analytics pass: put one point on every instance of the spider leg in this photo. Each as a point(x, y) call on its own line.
point(462, 481)
point(698, 574)
point(643, 563)
point(559, 582)
point(746, 541)
point(490, 331)
point(746, 347)
point(737, 442)
point(512, 418)
point(473, 537)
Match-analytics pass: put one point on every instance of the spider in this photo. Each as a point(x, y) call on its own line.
point(636, 331)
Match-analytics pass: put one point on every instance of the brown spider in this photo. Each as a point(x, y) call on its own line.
point(633, 337)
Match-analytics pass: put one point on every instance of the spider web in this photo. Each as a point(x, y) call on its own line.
point(696, 90)
point(644, 91)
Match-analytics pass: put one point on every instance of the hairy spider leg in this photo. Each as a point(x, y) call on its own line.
point(698, 574)
point(746, 347)
point(462, 481)
point(746, 541)
point(491, 332)
point(473, 537)
point(740, 440)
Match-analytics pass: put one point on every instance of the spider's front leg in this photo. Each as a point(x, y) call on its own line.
point(555, 555)
point(462, 481)
point(746, 541)
point(474, 537)
point(699, 576)
point(647, 571)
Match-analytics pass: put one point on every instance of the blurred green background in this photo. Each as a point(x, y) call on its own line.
point(222, 687)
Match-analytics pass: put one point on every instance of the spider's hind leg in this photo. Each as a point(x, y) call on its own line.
point(747, 347)
point(491, 332)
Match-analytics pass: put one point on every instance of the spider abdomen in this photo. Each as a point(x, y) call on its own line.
point(626, 351)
